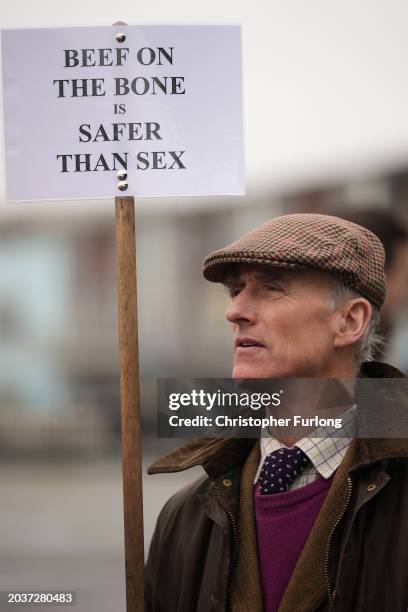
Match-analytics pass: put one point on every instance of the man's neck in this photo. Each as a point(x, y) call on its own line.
point(308, 398)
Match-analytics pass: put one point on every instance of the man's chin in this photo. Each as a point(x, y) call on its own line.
point(241, 371)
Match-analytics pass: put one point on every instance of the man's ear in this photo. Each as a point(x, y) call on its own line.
point(354, 316)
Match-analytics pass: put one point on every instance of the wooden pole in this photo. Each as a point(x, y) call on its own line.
point(130, 403)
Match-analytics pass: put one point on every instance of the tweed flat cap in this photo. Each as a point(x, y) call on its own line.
point(322, 242)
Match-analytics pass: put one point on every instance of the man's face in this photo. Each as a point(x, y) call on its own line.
point(282, 323)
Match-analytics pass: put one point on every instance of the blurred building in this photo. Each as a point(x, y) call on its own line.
point(58, 320)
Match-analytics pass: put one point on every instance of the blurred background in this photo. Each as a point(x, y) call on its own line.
point(326, 130)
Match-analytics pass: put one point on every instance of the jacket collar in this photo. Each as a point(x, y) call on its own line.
point(220, 455)
point(216, 455)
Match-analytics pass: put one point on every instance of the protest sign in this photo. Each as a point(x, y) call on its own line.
point(155, 108)
point(124, 112)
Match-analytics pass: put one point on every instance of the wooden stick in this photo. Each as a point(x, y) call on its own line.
point(130, 403)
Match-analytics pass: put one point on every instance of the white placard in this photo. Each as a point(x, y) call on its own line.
point(164, 105)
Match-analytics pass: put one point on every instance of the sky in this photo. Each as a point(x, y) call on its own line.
point(324, 83)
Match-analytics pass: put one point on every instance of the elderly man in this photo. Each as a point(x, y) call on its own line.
point(305, 297)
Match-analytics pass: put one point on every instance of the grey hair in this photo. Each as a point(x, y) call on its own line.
point(371, 340)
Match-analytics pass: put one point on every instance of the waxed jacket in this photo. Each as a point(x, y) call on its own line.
point(195, 544)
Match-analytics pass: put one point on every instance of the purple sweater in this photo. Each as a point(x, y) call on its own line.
point(283, 523)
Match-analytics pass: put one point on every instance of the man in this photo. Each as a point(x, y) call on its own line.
point(305, 297)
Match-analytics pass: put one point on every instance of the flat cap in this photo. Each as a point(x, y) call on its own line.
point(322, 242)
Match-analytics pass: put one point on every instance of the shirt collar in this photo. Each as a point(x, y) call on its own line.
point(325, 450)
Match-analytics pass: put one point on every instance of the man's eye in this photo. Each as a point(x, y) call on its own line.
point(234, 291)
point(271, 287)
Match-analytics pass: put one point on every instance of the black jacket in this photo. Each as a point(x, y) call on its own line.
point(196, 539)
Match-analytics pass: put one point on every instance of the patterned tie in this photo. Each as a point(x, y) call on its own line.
point(280, 469)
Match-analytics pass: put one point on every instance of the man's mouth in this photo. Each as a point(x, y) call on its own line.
point(246, 343)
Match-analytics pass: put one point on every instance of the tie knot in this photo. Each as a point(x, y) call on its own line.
point(280, 469)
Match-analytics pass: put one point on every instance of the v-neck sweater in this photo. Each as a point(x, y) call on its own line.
point(283, 523)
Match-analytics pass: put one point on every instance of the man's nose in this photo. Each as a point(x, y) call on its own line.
point(241, 309)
